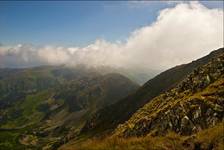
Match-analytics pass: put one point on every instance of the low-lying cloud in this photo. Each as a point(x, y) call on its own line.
point(179, 35)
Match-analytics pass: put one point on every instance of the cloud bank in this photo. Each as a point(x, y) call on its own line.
point(179, 35)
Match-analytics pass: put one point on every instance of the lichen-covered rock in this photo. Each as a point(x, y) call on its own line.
point(28, 140)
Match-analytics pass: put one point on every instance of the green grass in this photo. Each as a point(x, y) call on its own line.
point(9, 141)
point(29, 114)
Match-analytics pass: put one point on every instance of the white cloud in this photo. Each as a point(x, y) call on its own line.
point(179, 35)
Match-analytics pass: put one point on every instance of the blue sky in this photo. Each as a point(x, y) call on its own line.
point(76, 23)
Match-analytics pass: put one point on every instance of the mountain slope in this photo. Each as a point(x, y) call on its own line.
point(194, 104)
point(52, 103)
point(187, 116)
point(207, 139)
point(123, 109)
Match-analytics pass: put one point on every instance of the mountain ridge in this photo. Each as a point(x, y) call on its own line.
point(127, 106)
point(202, 90)
point(188, 116)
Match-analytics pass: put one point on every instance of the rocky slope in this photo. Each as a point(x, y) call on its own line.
point(194, 104)
point(124, 109)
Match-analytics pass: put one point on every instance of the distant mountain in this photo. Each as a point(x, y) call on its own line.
point(125, 108)
point(52, 102)
point(138, 75)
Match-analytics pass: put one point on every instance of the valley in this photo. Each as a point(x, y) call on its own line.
point(62, 108)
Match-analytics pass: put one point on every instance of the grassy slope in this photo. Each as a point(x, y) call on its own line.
point(198, 98)
point(206, 139)
point(28, 110)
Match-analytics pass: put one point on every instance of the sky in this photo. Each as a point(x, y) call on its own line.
point(69, 23)
point(139, 34)
point(74, 22)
